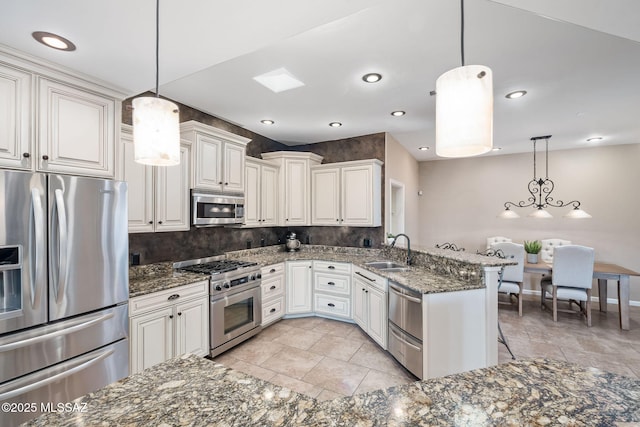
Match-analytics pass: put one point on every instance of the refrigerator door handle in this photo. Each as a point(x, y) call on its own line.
point(68, 329)
point(85, 362)
point(37, 278)
point(63, 258)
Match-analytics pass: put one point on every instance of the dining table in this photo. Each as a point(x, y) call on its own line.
point(602, 271)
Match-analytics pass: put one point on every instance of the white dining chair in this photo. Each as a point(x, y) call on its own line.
point(497, 239)
point(548, 246)
point(513, 276)
point(571, 279)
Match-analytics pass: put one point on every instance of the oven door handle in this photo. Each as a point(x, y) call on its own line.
point(407, 343)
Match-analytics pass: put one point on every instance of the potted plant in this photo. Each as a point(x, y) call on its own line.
point(532, 248)
point(390, 238)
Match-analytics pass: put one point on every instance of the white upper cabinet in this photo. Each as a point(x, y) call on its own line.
point(15, 126)
point(294, 188)
point(261, 193)
point(347, 193)
point(218, 157)
point(55, 120)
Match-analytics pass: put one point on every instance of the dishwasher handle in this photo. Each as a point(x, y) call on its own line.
point(401, 294)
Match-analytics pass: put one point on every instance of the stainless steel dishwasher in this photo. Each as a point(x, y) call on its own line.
point(405, 327)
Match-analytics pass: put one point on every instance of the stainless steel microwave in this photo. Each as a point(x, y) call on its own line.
point(209, 209)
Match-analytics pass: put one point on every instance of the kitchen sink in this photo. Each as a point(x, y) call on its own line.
point(389, 266)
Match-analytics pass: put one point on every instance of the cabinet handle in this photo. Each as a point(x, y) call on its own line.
point(159, 222)
point(150, 222)
point(179, 313)
point(173, 297)
point(226, 183)
point(337, 220)
point(171, 316)
point(273, 287)
point(26, 155)
point(368, 278)
point(331, 304)
point(363, 289)
point(273, 310)
point(286, 219)
point(331, 284)
point(331, 267)
point(273, 270)
point(220, 183)
point(45, 157)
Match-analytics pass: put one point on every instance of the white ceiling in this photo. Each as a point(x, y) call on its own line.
point(581, 68)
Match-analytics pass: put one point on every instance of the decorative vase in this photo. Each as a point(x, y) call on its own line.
point(532, 258)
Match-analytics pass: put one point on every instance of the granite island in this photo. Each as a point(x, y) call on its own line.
point(193, 391)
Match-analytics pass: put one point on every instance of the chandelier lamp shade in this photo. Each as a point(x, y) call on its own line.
point(540, 197)
point(156, 128)
point(464, 108)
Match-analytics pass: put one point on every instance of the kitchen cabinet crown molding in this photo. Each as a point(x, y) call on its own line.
point(306, 155)
point(349, 163)
point(194, 126)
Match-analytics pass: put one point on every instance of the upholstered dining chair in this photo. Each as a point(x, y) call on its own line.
point(571, 279)
point(513, 276)
point(497, 239)
point(548, 246)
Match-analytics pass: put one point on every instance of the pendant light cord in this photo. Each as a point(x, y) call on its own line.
point(462, 31)
point(157, 46)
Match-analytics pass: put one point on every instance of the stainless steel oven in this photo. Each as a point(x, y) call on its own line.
point(234, 317)
point(405, 328)
point(216, 209)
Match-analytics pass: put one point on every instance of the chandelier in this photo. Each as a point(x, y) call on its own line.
point(540, 190)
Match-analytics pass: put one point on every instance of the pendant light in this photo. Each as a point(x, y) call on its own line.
point(464, 108)
point(156, 129)
point(540, 190)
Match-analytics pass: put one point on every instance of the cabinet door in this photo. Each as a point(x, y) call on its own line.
point(299, 292)
point(233, 168)
point(252, 207)
point(76, 132)
point(325, 196)
point(296, 192)
point(269, 196)
point(192, 327)
point(139, 179)
point(207, 161)
point(360, 303)
point(357, 195)
point(151, 339)
point(15, 118)
point(377, 316)
point(172, 194)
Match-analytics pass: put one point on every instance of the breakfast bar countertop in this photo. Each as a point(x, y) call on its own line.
point(195, 391)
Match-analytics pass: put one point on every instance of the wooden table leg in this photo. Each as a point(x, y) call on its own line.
point(623, 302)
point(602, 294)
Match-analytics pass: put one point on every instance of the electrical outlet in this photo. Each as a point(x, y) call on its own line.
point(135, 258)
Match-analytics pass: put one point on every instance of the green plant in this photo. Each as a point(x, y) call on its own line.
point(532, 247)
point(390, 236)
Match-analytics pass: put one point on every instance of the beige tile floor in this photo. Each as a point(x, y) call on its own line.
point(326, 359)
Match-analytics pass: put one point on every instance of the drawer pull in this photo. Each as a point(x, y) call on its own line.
point(331, 304)
point(273, 270)
point(272, 287)
point(173, 297)
point(331, 267)
point(368, 278)
point(331, 284)
point(171, 316)
point(273, 310)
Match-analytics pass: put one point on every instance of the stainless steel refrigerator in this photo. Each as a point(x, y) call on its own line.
point(63, 289)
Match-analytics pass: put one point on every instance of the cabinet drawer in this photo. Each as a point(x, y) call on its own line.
point(272, 287)
point(332, 267)
point(272, 270)
point(272, 310)
point(335, 306)
point(332, 283)
point(370, 278)
point(161, 299)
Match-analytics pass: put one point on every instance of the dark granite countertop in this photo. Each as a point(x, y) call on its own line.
point(193, 391)
point(151, 278)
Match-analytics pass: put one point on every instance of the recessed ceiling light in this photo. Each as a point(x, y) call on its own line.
point(398, 113)
point(496, 149)
point(335, 124)
point(594, 139)
point(278, 80)
point(423, 148)
point(267, 122)
point(516, 94)
point(372, 77)
point(53, 41)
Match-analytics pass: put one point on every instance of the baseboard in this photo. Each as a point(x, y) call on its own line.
point(593, 299)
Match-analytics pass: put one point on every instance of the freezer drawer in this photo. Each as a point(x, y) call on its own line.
point(61, 383)
point(406, 349)
point(34, 349)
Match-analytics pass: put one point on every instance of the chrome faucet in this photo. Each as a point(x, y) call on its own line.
point(408, 246)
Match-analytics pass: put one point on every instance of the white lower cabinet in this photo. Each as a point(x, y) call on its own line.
point(299, 289)
point(273, 293)
point(332, 289)
point(169, 323)
point(370, 304)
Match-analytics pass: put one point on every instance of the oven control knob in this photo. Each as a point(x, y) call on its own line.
point(252, 277)
point(226, 285)
point(218, 288)
point(259, 276)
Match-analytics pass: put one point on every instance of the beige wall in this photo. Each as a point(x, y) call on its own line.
point(402, 167)
point(463, 196)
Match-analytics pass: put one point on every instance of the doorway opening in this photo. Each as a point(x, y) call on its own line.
point(396, 209)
